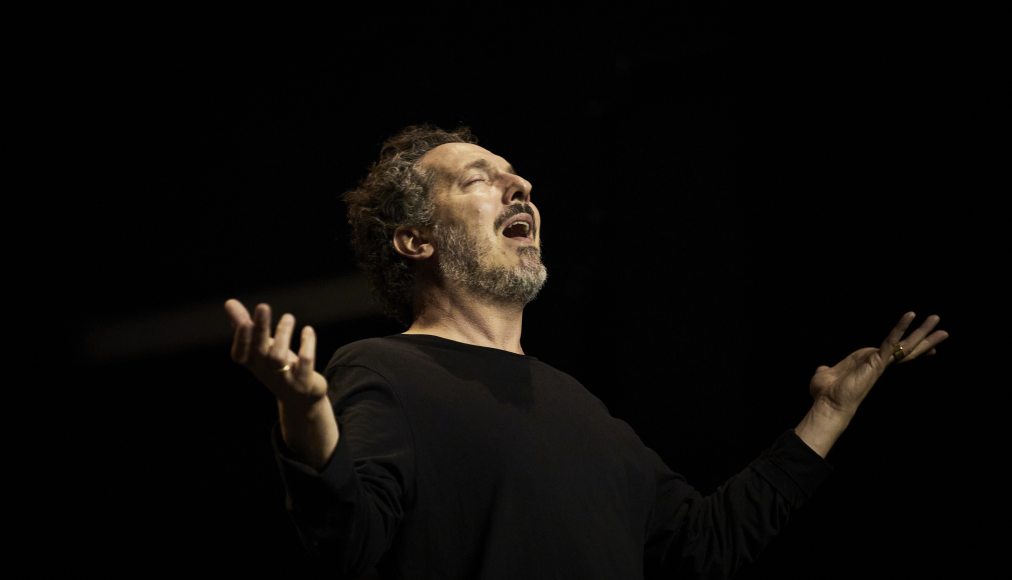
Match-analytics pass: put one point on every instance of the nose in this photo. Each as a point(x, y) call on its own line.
point(517, 189)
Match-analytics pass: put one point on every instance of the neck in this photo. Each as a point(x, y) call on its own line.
point(461, 316)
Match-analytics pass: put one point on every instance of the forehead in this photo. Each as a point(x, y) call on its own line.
point(451, 158)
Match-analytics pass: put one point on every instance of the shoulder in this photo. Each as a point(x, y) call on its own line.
point(370, 353)
point(559, 375)
point(384, 355)
point(361, 370)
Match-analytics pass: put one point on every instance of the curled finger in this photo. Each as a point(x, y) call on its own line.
point(241, 343)
point(280, 350)
point(307, 355)
point(262, 329)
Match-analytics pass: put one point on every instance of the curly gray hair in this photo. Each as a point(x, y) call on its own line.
point(395, 193)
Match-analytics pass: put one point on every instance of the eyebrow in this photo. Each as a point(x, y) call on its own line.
point(485, 165)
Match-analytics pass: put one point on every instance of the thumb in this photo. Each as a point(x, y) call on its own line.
point(822, 368)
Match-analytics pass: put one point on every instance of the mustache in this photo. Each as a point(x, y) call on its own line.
point(515, 209)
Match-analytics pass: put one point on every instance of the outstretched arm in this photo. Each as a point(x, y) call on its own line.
point(345, 489)
point(711, 536)
point(838, 390)
point(306, 416)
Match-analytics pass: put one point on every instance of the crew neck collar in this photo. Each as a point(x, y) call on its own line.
point(455, 344)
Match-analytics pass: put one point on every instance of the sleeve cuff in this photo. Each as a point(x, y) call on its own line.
point(792, 467)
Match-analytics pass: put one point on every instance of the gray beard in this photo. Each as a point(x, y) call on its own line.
point(462, 260)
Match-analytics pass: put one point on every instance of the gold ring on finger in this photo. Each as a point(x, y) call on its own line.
point(898, 352)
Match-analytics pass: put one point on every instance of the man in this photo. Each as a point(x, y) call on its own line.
point(447, 452)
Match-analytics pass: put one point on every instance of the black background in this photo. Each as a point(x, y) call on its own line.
point(730, 199)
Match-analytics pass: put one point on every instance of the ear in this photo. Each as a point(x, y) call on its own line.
point(413, 243)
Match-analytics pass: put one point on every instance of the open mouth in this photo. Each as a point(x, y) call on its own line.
point(520, 227)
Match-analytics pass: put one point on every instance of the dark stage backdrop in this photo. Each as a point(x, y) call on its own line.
point(729, 201)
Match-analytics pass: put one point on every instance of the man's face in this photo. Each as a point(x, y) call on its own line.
point(488, 233)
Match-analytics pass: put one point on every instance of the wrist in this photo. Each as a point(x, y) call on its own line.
point(822, 425)
point(302, 406)
point(829, 412)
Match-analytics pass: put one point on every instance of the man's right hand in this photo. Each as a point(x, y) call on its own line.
point(265, 356)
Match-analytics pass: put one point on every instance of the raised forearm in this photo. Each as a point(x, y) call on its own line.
point(311, 432)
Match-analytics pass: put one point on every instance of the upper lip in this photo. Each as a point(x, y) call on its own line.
point(520, 217)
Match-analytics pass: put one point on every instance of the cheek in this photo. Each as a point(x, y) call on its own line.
point(484, 218)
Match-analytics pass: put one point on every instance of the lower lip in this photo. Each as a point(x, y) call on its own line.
point(521, 240)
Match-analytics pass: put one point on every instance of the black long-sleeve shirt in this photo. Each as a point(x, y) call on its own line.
point(461, 461)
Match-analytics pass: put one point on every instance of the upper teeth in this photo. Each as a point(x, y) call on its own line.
point(524, 230)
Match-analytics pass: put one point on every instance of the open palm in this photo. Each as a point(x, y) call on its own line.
point(290, 376)
point(844, 385)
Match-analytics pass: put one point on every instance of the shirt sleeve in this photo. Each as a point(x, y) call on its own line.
point(348, 512)
point(696, 536)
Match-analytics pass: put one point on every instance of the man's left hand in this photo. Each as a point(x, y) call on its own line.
point(843, 386)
